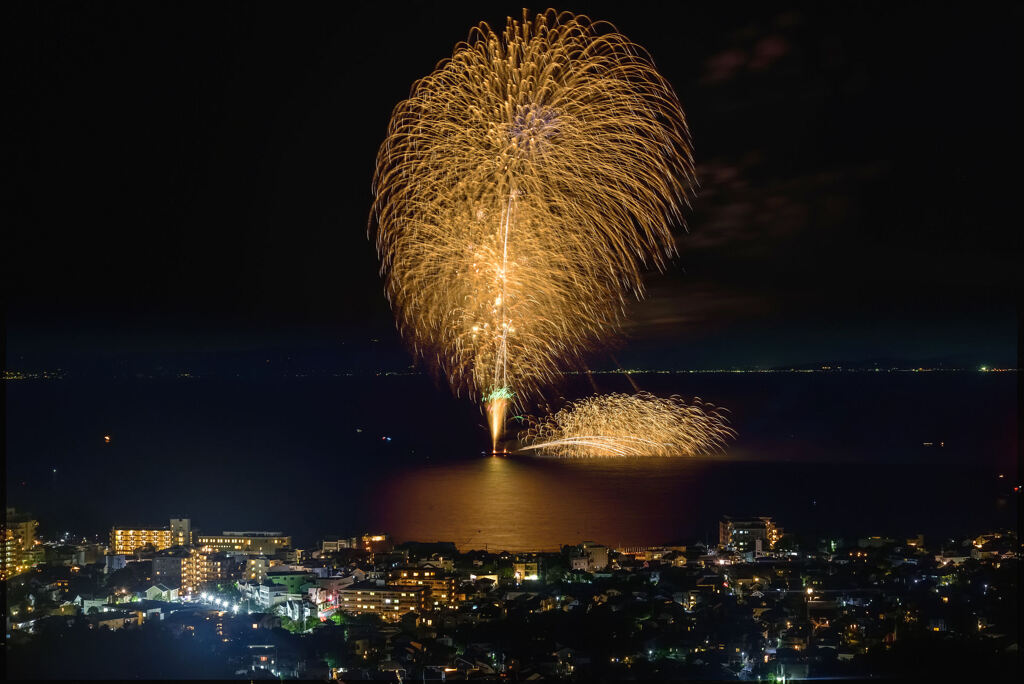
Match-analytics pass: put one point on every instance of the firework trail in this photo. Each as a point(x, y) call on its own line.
point(521, 189)
point(641, 424)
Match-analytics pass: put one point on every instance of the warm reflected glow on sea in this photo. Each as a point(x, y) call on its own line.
point(524, 503)
point(520, 503)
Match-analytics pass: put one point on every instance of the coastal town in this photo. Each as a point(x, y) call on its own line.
point(762, 603)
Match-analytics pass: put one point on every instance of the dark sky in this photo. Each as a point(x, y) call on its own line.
point(197, 178)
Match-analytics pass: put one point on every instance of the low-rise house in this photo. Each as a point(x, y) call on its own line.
point(297, 609)
point(118, 619)
point(87, 602)
point(160, 592)
point(270, 595)
point(444, 563)
point(264, 595)
point(262, 658)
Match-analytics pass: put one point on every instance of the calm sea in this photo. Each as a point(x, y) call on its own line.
point(838, 454)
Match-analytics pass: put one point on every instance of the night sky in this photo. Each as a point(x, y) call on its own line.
point(198, 180)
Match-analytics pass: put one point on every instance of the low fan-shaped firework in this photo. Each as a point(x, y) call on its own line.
point(521, 190)
point(615, 425)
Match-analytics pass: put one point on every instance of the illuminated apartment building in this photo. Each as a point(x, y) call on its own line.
point(390, 602)
point(597, 553)
point(441, 586)
point(748, 534)
point(206, 566)
point(334, 544)
point(252, 543)
point(170, 566)
point(178, 533)
point(256, 568)
point(19, 540)
point(377, 543)
point(191, 579)
point(526, 570)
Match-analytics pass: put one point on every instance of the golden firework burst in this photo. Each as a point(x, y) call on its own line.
point(615, 425)
point(522, 188)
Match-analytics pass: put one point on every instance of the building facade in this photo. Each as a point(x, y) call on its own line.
point(440, 586)
point(390, 602)
point(182, 526)
point(113, 563)
point(293, 580)
point(747, 535)
point(170, 566)
point(250, 543)
point(127, 541)
point(377, 543)
point(334, 544)
point(203, 567)
point(597, 553)
point(19, 540)
point(256, 568)
point(526, 570)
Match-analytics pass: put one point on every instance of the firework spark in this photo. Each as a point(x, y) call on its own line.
point(640, 424)
point(520, 191)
